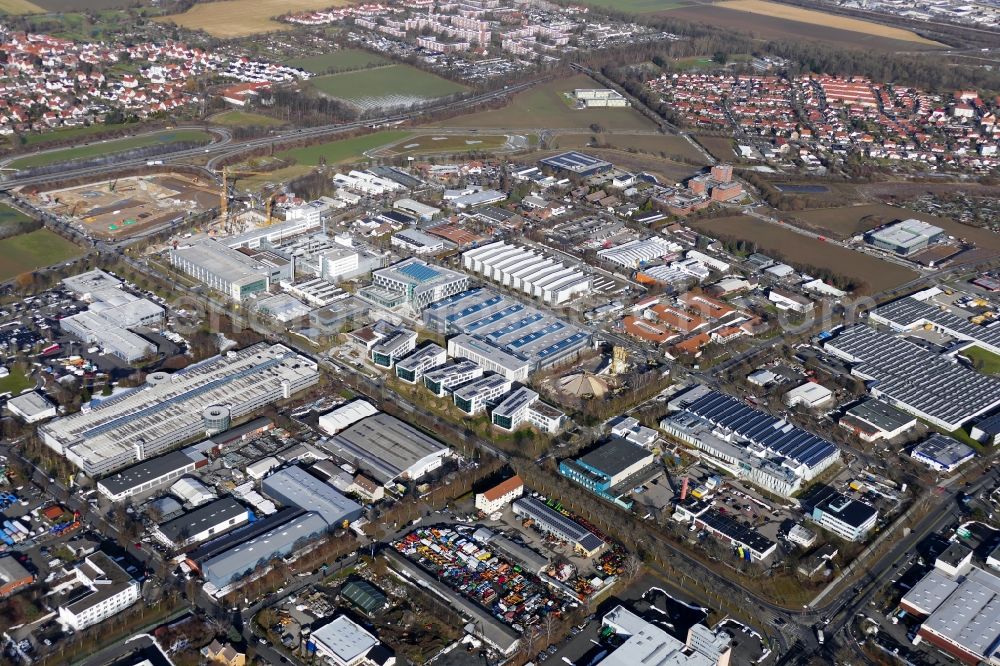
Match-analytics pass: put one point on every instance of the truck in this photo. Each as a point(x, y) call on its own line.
point(820, 636)
point(154, 162)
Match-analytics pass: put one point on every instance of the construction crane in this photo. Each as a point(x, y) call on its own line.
point(224, 194)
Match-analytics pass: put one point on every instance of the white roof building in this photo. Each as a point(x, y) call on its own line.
point(31, 407)
point(646, 643)
point(810, 394)
point(192, 491)
point(635, 253)
point(346, 643)
point(333, 422)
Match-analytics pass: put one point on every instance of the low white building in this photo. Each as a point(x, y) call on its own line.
point(787, 300)
point(106, 591)
point(810, 395)
point(346, 415)
point(848, 518)
point(801, 536)
point(343, 642)
point(31, 407)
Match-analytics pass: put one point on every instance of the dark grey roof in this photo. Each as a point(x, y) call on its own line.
point(384, 446)
point(206, 516)
point(851, 511)
point(146, 471)
point(615, 456)
point(880, 414)
point(296, 487)
point(551, 519)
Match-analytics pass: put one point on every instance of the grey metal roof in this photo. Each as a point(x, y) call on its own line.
point(915, 377)
point(909, 312)
point(208, 515)
point(296, 487)
point(615, 456)
point(384, 446)
point(146, 471)
point(880, 414)
point(557, 522)
point(943, 450)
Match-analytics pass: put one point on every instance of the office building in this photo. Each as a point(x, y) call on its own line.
point(908, 376)
point(31, 407)
point(474, 397)
point(905, 237)
point(201, 524)
point(549, 521)
point(150, 474)
point(576, 163)
point(412, 367)
point(789, 300)
point(440, 381)
point(523, 406)
point(392, 347)
point(488, 357)
point(203, 398)
point(942, 453)
point(236, 273)
point(294, 486)
point(848, 518)
point(86, 284)
point(612, 470)
point(413, 282)
point(533, 272)
point(872, 420)
point(629, 428)
point(276, 234)
point(499, 496)
point(389, 449)
point(642, 642)
point(101, 589)
point(959, 609)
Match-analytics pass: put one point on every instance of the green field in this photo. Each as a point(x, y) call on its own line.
point(243, 119)
point(983, 360)
point(10, 215)
point(69, 133)
point(343, 60)
point(344, 150)
point(394, 84)
point(28, 252)
point(430, 143)
point(15, 383)
point(546, 106)
point(110, 146)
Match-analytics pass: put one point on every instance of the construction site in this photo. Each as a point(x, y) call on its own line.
point(131, 206)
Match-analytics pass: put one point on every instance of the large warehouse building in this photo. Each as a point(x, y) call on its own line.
point(534, 273)
point(413, 282)
point(905, 237)
point(501, 323)
point(293, 486)
point(237, 273)
point(911, 314)
point(576, 163)
point(389, 449)
point(916, 380)
point(169, 409)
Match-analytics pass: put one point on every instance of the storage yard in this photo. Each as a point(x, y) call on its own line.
point(132, 206)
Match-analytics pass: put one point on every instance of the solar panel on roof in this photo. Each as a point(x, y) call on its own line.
point(419, 272)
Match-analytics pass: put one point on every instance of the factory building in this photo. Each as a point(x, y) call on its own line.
point(204, 398)
point(550, 521)
point(612, 470)
point(108, 318)
point(294, 486)
point(488, 357)
point(388, 449)
point(473, 398)
point(914, 379)
point(942, 453)
point(441, 380)
point(276, 234)
point(237, 273)
point(411, 368)
point(915, 313)
point(874, 419)
point(417, 242)
point(634, 254)
point(600, 98)
point(86, 284)
point(906, 237)
point(201, 524)
point(576, 163)
point(642, 642)
point(848, 518)
point(959, 605)
point(760, 434)
point(532, 272)
point(344, 642)
point(413, 282)
point(523, 406)
point(150, 474)
point(525, 335)
point(31, 407)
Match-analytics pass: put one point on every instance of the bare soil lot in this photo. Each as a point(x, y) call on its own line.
point(241, 18)
point(720, 147)
point(771, 27)
point(877, 275)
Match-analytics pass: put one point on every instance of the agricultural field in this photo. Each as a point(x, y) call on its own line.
point(342, 150)
point(341, 60)
point(32, 140)
point(720, 147)
point(19, 8)
point(637, 6)
point(10, 215)
point(876, 274)
point(385, 87)
point(546, 106)
point(243, 119)
point(665, 145)
point(109, 146)
point(808, 25)
point(428, 144)
point(229, 19)
point(850, 220)
point(31, 251)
